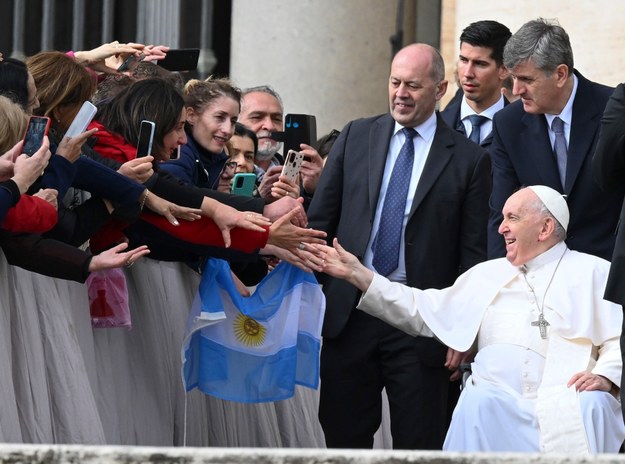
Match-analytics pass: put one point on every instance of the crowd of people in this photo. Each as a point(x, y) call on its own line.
point(479, 235)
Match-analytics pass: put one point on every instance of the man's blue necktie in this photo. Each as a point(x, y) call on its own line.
point(388, 238)
point(559, 147)
point(476, 122)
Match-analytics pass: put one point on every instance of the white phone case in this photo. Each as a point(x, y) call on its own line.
point(82, 120)
point(292, 165)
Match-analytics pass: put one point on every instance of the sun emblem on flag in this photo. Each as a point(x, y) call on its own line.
point(249, 331)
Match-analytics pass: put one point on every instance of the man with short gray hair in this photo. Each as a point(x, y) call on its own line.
point(263, 112)
point(549, 136)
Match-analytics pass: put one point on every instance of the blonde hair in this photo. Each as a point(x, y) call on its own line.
point(198, 94)
point(14, 121)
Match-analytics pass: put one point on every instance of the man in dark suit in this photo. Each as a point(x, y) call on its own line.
point(480, 73)
point(441, 225)
point(549, 137)
point(608, 167)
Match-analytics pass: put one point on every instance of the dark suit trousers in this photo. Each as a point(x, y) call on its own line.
point(367, 356)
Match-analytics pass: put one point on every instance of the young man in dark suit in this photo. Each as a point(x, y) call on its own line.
point(549, 137)
point(481, 73)
point(423, 235)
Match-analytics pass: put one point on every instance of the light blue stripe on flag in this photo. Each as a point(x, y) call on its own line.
point(257, 348)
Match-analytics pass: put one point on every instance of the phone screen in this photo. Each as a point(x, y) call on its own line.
point(146, 136)
point(37, 129)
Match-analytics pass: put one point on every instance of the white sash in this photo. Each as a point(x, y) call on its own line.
point(557, 407)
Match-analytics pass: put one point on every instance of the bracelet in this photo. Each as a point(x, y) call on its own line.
point(145, 197)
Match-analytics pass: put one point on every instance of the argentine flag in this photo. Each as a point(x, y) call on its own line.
point(254, 349)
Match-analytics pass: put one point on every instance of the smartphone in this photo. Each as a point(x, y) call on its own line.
point(243, 183)
point(146, 137)
point(129, 62)
point(182, 59)
point(81, 121)
point(299, 128)
point(38, 127)
point(292, 164)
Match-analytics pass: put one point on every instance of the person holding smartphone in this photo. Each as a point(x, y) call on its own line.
point(17, 173)
point(242, 147)
point(262, 111)
point(118, 124)
point(212, 109)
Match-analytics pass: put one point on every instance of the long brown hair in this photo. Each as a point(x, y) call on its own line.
point(60, 82)
point(151, 99)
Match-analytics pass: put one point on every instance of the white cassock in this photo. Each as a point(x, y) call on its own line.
point(516, 398)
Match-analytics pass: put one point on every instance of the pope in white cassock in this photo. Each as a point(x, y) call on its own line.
point(548, 363)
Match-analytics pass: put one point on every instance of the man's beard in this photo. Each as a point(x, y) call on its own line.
point(267, 148)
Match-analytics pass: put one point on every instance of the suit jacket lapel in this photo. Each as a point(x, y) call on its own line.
point(379, 139)
point(538, 148)
point(584, 126)
point(440, 154)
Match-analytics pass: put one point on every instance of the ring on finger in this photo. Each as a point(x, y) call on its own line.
point(129, 263)
point(301, 246)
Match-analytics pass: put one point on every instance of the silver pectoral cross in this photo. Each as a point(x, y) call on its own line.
point(542, 324)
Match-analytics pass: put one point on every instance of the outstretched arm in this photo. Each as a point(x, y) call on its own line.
point(341, 264)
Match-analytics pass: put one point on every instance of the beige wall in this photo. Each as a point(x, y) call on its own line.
point(331, 58)
point(596, 29)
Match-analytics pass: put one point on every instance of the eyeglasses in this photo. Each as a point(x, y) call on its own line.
point(229, 166)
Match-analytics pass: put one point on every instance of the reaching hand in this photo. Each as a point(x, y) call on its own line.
point(284, 234)
point(108, 57)
point(170, 210)
point(113, 257)
point(286, 205)
point(227, 218)
point(307, 259)
point(341, 264)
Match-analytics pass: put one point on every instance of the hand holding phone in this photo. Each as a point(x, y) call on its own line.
point(81, 121)
point(243, 183)
point(28, 168)
point(292, 165)
point(130, 62)
point(38, 127)
point(70, 148)
point(146, 137)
